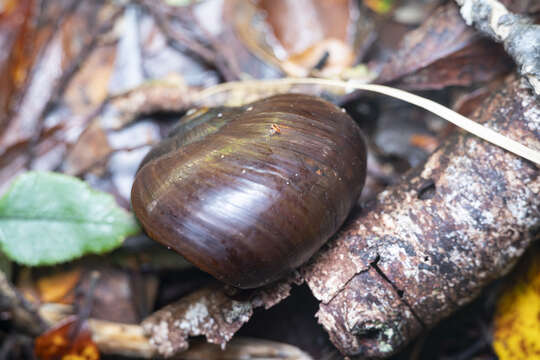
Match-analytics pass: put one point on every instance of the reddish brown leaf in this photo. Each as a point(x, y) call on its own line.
point(57, 58)
point(18, 53)
point(120, 295)
point(442, 52)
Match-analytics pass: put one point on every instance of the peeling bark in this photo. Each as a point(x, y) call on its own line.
point(426, 247)
point(211, 311)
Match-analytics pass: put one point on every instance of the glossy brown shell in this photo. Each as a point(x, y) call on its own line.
point(247, 194)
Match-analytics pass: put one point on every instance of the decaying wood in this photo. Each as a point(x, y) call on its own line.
point(211, 312)
point(517, 33)
point(120, 339)
point(14, 306)
point(426, 247)
point(431, 243)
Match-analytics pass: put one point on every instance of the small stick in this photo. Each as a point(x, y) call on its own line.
point(519, 36)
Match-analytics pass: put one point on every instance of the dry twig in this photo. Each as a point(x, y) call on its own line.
point(519, 36)
point(23, 314)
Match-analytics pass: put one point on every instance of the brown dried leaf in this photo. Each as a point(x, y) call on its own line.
point(41, 133)
point(19, 50)
point(298, 36)
point(13, 160)
point(298, 25)
point(442, 52)
point(468, 101)
point(121, 295)
point(89, 86)
point(58, 59)
point(91, 147)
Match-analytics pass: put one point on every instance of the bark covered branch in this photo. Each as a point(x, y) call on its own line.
point(519, 36)
point(431, 243)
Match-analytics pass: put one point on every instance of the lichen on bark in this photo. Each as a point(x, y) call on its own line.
point(518, 34)
point(447, 230)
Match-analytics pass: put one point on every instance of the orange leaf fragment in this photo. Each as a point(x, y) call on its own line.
point(66, 342)
point(426, 142)
point(56, 287)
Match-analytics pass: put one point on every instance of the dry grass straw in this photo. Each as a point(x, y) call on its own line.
point(463, 122)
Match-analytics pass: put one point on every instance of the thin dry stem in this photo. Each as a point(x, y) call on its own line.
point(463, 122)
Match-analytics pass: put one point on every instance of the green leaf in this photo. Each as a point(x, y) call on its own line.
point(48, 218)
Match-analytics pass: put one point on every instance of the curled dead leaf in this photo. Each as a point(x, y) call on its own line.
point(301, 36)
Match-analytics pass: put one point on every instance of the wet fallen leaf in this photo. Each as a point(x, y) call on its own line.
point(69, 340)
point(442, 52)
point(77, 29)
point(19, 49)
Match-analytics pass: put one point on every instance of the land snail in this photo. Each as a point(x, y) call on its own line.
point(247, 194)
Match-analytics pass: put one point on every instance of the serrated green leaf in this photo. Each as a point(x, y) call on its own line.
point(48, 218)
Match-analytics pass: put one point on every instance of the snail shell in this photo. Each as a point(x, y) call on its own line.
point(247, 194)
